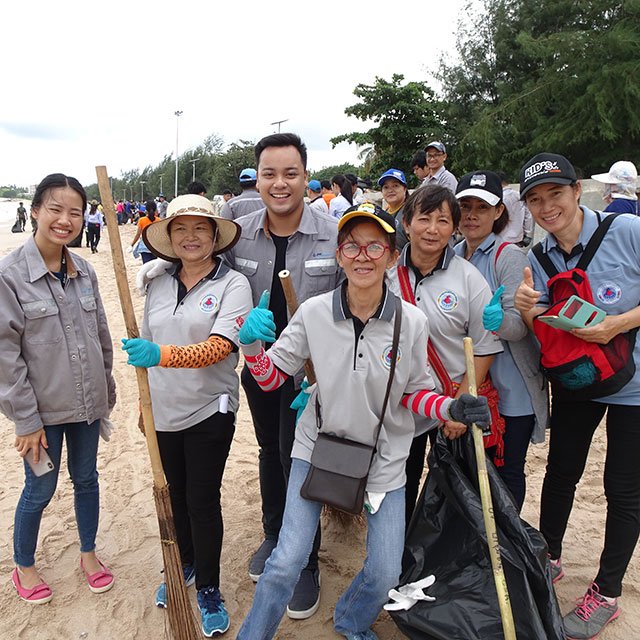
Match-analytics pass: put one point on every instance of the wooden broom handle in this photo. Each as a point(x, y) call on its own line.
point(292, 305)
point(120, 271)
point(508, 625)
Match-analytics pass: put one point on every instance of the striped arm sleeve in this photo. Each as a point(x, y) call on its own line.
point(195, 356)
point(266, 374)
point(428, 404)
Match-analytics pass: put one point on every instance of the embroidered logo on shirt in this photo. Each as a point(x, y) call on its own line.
point(386, 356)
point(208, 303)
point(609, 293)
point(447, 300)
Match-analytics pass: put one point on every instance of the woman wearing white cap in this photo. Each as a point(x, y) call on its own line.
point(348, 334)
point(515, 372)
point(190, 343)
point(621, 186)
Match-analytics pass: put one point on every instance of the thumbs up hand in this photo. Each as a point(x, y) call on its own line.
point(526, 296)
point(493, 314)
point(259, 324)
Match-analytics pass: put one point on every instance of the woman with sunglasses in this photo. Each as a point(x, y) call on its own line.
point(524, 399)
point(348, 334)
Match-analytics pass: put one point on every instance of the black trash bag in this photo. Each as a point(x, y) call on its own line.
point(446, 538)
point(17, 227)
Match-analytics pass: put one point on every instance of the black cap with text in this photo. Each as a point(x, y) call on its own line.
point(546, 167)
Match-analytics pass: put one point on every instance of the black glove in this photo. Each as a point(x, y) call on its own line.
point(469, 409)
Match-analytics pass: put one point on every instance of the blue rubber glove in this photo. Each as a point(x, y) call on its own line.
point(493, 315)
point(300, 401)
point(142, 353)
point(259, 324)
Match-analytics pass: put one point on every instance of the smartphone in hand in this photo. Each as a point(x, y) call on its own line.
point(43, 466)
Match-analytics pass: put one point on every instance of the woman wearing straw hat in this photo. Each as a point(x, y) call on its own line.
point(348, 333)
point(190, 344)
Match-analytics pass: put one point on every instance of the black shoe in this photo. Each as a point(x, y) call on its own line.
point(306, 595)
point(258, 559)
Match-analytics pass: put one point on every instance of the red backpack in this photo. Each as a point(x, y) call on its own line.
point(580, 370)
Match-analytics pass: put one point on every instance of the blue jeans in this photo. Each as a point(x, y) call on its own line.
point(82, 450)
point(359, 606)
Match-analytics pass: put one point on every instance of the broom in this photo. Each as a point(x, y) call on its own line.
point(345, 520)
point(181, 619)
point(508, 626)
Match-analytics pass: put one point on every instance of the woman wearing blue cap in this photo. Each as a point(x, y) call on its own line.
point(395, 193)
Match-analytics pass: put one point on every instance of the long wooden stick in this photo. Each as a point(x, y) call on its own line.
point(180, 616)
point(292, 305)
point(504, 601)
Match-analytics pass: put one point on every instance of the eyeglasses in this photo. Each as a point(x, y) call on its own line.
point(373, 250)
point(434, 155)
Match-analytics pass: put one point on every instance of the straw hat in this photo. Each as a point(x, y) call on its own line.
point(156, 235)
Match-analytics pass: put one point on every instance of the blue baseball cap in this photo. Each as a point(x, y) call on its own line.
point(392, 173)
point(248, 175)
point(314, 185)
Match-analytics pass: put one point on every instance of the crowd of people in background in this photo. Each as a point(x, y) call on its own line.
point(450, 258)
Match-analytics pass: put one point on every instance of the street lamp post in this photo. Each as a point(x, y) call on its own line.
point(193, 167)
point(142, 183)
point(177, 115)
point(161, 189)
point(279, 122)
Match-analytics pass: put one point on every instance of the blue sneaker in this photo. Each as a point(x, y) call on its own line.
point(362, 635)
point(215, 618)
point(161, 593)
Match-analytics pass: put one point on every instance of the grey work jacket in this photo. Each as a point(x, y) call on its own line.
point(56, 353)
point(311, 254)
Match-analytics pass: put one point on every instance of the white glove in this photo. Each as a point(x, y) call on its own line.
point(406, 596)
point(149, 271)
point(106, 429)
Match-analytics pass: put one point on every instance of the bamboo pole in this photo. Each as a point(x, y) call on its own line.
point(292, 305)
point(508, 625)
point(179, 611)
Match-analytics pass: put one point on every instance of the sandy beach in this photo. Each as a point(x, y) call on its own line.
point(128, 540)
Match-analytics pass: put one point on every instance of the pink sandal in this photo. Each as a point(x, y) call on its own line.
point(40, 594)
point(100, 581)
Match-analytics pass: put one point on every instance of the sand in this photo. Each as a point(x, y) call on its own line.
point(128, 535)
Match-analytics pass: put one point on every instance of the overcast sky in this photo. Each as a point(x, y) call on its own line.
point(88, 83)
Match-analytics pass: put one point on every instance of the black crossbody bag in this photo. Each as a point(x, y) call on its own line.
point(340, 467)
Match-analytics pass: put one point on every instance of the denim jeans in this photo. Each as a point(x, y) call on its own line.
point(359, 606)
point(82, 450)
point(275, 425)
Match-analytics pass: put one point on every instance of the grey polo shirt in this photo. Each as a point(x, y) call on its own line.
point(352, 377)
point(56, 353)
point(184, 397)
point(453, 297)
point(247, 202)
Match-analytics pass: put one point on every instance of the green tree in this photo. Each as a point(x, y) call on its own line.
point(553, 75)
point(405, 115)
point(326, 173)
point(226, 166)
